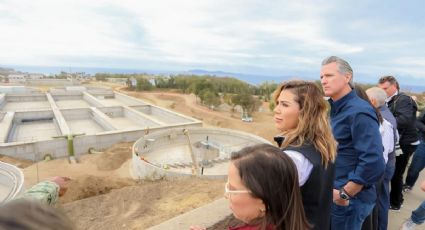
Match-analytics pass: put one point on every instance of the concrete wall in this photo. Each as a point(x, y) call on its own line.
point(51, 82)
point(58, 147)
point(45, 114)
point(63, 92)
point(76, 114)
point(229, 139)
point(34, 149)
point(27, 97)
point(128, 100)
point(166, 116)
point(102, 119)
point(67, 97)
point(11, 182)
point(140, 119)
point(6, 125)
point(2, 100)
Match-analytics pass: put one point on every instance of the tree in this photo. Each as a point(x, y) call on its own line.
point(248, 102)
point(266, 89)
point(143, 84)
point(209, 98)
point(128, 83)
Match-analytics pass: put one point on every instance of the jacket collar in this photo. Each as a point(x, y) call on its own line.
point(337, 105)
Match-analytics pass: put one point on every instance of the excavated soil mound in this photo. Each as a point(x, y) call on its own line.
point(88, 186)
point(143, 205)
point(114, 157)
point(17, 162)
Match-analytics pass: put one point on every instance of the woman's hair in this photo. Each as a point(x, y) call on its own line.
point(32, 215)
point(362, 94)
point(313, 123)
point(271, 176)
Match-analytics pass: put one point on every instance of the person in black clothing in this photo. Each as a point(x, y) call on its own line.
point(306, 137)
point(418, 159)
point(404, 108)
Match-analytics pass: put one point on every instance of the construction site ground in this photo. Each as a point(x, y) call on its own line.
point(102, 194)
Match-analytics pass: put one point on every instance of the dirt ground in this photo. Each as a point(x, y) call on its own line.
point(186, 104)
point(102, 194)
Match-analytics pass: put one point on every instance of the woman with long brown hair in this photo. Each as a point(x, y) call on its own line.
point(305, 136)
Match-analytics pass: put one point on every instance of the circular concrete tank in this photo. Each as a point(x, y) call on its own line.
point(11, 182)
point(177, 152)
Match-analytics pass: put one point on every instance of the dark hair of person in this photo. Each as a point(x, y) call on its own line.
point(272, 177)
point(362, 94)
point(391, 79)
point(32, 215)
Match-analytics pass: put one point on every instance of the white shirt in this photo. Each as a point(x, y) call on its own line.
point(391, 97)
point(304, 166)
point(387, 134)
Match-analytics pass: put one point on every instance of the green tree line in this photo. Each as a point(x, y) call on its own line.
point(211, 91)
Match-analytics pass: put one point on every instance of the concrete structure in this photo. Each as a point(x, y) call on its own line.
point(35, 124)
point(185, 152)
point(11, 182)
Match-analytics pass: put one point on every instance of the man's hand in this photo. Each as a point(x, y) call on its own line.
point(62, 182)
point(337, 199)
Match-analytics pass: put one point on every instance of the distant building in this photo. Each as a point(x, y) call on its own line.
point(152, 81)
point(34, 76)
point(82, 76)
point(133, 82)
point(17, 78)
point(122, 80)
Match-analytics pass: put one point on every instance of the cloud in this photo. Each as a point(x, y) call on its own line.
point(245, 35)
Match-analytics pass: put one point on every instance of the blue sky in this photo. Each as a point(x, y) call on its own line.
point(281, 38)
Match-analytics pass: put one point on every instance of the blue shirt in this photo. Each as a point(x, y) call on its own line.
point(359, 159)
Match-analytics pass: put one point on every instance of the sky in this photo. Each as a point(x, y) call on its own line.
point(279, 38)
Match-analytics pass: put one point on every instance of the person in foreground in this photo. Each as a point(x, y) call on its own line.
point(48, 191)
point(418, 215)
point(263, 190)
point(306, 137)
point(34, 209)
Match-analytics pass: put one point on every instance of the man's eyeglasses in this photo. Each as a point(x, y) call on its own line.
point(227, 191)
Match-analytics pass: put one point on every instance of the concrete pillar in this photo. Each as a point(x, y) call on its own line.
point(61, 122)
point(51, 101)
point(93, 101)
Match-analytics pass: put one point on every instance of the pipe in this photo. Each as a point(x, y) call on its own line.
point(192, 155)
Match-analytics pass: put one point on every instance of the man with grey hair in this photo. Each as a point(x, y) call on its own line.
point(377, 97)
point(359, 163)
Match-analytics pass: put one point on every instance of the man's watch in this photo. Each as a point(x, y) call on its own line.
point(343, 194)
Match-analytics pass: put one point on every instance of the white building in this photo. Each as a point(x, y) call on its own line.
point(17, 78)
point(34, 76)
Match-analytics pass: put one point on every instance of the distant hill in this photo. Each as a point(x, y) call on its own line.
point(254, 79)
point(6, 70)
